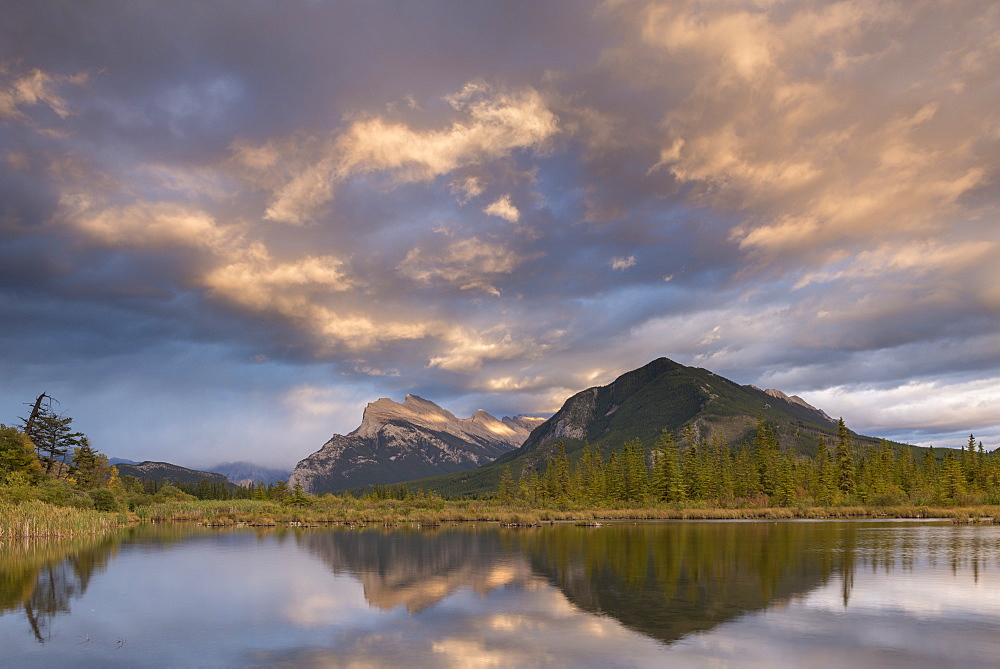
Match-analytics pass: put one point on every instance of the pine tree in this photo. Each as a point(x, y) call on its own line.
point(615, 476)
point(667, 483)
point(784, 493)
point(90, 469)
point(531, 486)
point(298, 496)
point(746, 481)
point(53, 437)
point(766, 457)
point(906, 470)
point(844, 460)
point(636, 474)
point(951, 479)
point(825, 478)
point(971, 468)
point(507, 488)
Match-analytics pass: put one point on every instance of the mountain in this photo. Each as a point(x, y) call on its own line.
point(244, 473)
point(404, 441)
point(665, 394)
point(167, 473)
point(639, 405)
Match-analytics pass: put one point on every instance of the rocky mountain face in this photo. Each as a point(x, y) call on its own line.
point(404, 441)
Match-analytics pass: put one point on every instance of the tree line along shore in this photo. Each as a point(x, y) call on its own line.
point(54, 483)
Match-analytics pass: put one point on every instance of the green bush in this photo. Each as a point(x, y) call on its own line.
point(104, 500)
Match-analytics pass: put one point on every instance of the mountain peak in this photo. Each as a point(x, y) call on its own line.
point(397, 441)
point(413, 409)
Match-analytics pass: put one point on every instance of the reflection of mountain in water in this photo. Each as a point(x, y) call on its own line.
point(664, 580)
point(668, 581)
point(417, 569)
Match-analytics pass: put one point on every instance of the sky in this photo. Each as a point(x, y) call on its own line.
point(225, 227)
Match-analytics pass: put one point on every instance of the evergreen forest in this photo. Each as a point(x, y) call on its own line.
point(684, 469)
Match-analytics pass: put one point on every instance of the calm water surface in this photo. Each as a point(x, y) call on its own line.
point(727, 594)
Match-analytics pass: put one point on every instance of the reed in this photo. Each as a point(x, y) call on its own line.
point(39, 519)
point(352, 511)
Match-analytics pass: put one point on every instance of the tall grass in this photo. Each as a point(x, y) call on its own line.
point(349, 510)
point(39, 519)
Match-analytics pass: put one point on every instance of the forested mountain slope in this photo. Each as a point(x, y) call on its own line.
point(640, 404)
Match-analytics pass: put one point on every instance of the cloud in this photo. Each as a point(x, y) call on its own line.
point(467, 188)
point(491, 125)
point(258, 282)
point(154, 225)
point(467, 350)
point(504, 209)
point(32, 89)
point(826, 124)
point(470, 264)
point(812, 186)
point(622, 263)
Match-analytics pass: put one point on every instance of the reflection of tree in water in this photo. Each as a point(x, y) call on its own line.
point(42, 577)
point(907, 546)
point(669, 580)
point(665, 580)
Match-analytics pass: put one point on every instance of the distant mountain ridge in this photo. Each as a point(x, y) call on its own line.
point(403, 441)
point(164, 472)
point(244, 473)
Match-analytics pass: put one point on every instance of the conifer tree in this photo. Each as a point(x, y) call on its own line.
point(615, 477)
point(53, 437)
point(636, 474)
point(951, 479)
point(906, 470)
point(531, 487)
point(844, 460)
point(825, 479)
point(668, 484)
point(90, 469)
point(746, 480)
point(766, 457)
point(506, 494)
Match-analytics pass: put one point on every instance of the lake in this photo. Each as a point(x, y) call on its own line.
point(728, 594)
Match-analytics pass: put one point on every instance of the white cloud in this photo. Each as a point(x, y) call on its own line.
point(470, 264)
point(25, 90)
point(622, 263)
point(466, 350)
point(825, 124)
point(504, 209)
point(491, 125)
point(154, 225)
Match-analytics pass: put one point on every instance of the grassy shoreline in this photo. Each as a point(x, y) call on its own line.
point(34, 518)
point(39, 519)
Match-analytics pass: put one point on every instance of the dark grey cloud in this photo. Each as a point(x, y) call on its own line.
point(493, 205)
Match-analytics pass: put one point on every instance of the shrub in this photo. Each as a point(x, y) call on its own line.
point(104, 500)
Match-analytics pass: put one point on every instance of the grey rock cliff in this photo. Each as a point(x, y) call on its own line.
point(403, 441)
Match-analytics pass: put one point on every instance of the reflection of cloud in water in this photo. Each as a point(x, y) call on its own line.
point(878, 631)
point(722, 594)
point(537, 627)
